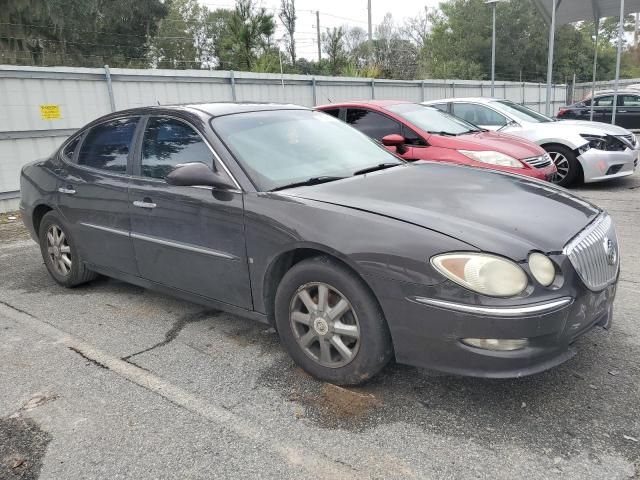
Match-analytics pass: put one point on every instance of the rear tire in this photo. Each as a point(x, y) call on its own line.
point(60, 253)
point(330, 323)
point(566, 163)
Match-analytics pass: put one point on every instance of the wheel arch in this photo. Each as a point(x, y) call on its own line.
point(285, 260)
point(551, 144)
point(39, 212)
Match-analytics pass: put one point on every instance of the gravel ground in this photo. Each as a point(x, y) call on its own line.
point(114, 381)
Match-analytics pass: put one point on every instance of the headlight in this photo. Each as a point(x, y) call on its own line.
point(604, 142)
point(542, 268)
point(493, 158)
point(482, 273)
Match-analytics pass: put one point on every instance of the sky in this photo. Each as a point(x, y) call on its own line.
point(334, 13)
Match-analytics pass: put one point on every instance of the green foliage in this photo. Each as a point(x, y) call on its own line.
point(78, 32)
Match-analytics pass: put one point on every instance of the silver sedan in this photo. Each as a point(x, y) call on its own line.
point(582, 150)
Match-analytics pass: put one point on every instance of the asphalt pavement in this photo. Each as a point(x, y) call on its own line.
point(110, 381)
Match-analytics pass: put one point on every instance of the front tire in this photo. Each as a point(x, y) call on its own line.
point(330, 323)
point(60, 253)
point(566, 163)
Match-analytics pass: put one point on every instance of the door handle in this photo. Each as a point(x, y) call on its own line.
point(622, 111)
point(67, 191)
point(144, 204)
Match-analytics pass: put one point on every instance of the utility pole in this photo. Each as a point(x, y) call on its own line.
point(370, 29)
point(493, 45)
point(318, 34)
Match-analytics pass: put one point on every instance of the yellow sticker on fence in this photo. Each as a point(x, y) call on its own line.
point(50, 112)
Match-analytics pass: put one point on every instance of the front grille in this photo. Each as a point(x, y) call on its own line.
point(629, 140)
point(539, 162)
point(594, 253)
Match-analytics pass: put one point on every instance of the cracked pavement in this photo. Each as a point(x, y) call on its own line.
point(114, 381)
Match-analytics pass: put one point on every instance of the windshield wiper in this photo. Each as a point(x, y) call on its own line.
point(446, 134)
point(374, 168)
point(309, 181)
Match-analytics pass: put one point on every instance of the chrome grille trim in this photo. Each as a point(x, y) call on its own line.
point(588, 255)
point(539, 162)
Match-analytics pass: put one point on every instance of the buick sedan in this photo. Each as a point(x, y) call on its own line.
point(293, 218)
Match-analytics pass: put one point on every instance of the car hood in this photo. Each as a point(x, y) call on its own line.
point(492, 211)
point(500, 142)
point(595, 128)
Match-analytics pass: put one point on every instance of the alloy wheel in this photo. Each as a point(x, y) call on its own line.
point(59, 250)
point(325, 324)
point(562, 166)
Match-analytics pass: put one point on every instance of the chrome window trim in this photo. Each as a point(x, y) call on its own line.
point(515, 311)
point(204, 139)
point(84, 131)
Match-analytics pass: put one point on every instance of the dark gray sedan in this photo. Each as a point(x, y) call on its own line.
point(293, 218)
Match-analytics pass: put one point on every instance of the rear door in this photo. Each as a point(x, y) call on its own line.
point(188, 238)
point(628, 113)
point(93, 193)
point(602, 109)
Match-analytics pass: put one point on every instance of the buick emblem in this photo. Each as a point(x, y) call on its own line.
point(610, 251)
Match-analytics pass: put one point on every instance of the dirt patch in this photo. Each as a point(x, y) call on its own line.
point(348, 402)
point(22, 447)
point(10, 217)
point(13, 230)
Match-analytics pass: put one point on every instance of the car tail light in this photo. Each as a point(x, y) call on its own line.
point(562, 111)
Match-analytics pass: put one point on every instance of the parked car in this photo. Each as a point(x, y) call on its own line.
point(290, 217)
point(581, 151)
point(627, 113)
point(418, 133)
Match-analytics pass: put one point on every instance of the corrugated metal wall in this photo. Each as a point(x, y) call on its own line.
point(83, 94)
point(584, 89)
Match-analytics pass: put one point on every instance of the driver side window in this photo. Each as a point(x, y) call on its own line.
point(479, 115)
point(169, 142)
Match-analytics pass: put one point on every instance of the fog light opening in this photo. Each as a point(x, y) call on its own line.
point(497, 344)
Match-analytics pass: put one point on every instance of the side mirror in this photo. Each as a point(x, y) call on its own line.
point(393, 140)
point(197, 174)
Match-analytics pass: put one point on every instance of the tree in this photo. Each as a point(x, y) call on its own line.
point(246, 34)
point(181, 41)
point(333, 46)
point(288, 18)
point(416, 29)
point(396, 57)
point(78, 32)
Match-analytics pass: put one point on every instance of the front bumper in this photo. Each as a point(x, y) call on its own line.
point(599, 165)
point(428, 333)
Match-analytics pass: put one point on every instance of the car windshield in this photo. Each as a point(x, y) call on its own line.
point(432, 120)
point(283, 147)
point(520, 112)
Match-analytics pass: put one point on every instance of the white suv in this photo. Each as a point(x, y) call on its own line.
point(581, 150)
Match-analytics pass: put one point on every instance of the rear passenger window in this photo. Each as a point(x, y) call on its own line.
point(334, 112)
point(71, 148)
point(372, 124)
point(107, 146)
point(604, 101)
point(169, 142)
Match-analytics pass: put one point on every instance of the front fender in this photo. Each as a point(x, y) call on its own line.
point(372, 245)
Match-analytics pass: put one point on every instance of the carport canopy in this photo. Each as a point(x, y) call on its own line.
point(560, 12)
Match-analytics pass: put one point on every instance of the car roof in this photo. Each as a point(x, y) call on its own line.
point(465, 99)
point(364, 103)
point(213, 109)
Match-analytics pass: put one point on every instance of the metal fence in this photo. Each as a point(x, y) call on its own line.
point(44, 105)
point(583, 89)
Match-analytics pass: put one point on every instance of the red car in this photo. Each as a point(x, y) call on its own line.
point(419, 132)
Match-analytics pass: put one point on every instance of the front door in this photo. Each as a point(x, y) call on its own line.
point(189, 238)
point(93, 195)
